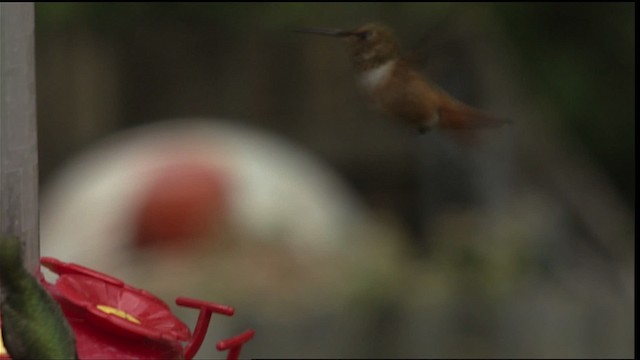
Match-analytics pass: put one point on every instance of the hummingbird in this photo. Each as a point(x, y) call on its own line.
point(398, 88)
point(33, 325)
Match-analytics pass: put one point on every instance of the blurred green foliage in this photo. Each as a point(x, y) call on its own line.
point(578, 57)
point(581, 57)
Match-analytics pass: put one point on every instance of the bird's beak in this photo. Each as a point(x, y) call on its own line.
point(327, 32)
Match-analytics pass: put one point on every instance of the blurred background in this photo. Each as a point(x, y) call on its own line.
point(205, 150)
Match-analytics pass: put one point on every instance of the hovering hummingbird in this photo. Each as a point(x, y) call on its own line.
point(398, 88)
point(33, 325)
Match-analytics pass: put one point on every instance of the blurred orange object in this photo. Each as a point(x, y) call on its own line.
point(185, 201)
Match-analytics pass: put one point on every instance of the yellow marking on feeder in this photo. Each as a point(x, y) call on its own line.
point(119, 313)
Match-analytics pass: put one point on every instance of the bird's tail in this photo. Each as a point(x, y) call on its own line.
point(461, 122)
point(455, 115)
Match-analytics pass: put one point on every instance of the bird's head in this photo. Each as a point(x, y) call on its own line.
point(370, 45)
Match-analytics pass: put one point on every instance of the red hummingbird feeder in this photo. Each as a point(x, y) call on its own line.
point(112, 320)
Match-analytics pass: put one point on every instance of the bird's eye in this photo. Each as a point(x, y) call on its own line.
point(365, 35)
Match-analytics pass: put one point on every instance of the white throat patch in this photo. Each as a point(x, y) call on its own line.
point(370, 79)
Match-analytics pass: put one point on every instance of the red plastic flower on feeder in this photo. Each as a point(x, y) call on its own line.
point(128, 311)
point(114, 320)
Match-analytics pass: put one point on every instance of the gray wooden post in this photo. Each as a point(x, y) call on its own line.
point(18, 132)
